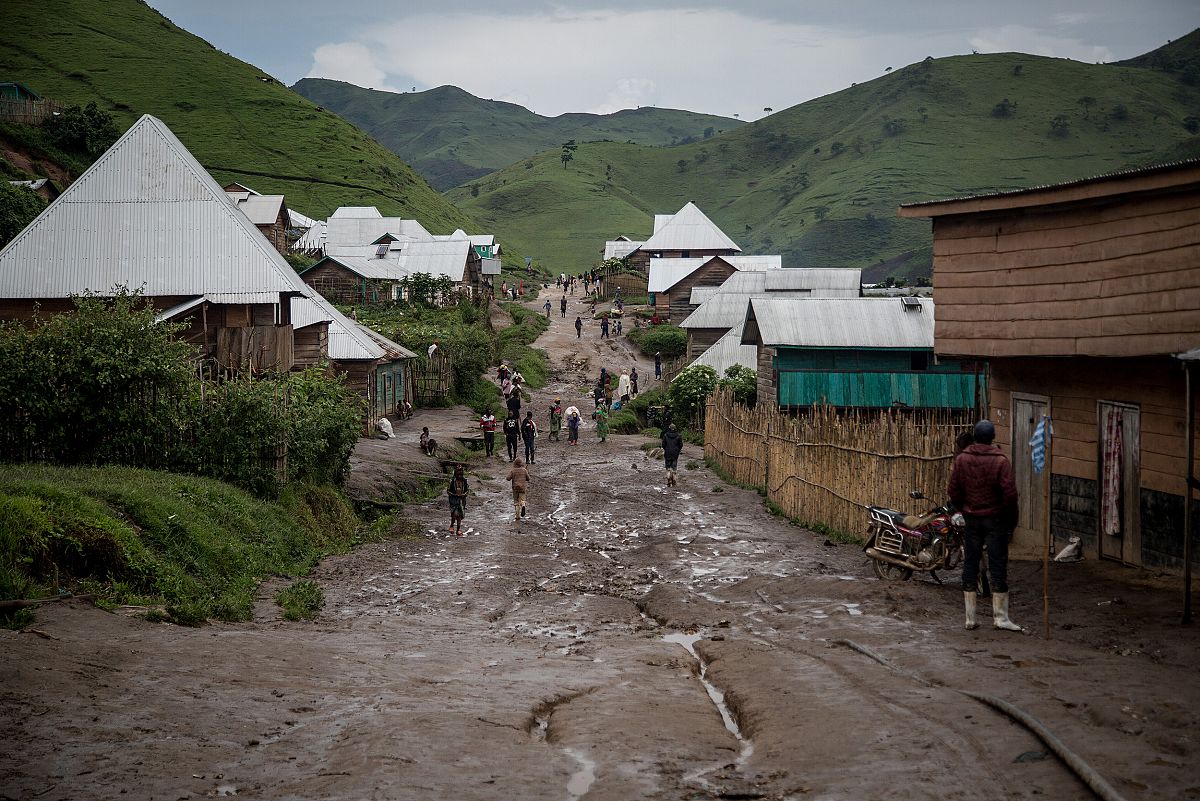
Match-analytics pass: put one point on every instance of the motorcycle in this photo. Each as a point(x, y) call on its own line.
point(900, 544)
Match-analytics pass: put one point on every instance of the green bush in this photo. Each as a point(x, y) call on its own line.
point(690, 389)
point(301, 601)
point(88, 130)
point(669, 340)
point(624, 422)
point(18, 206)
point(744, 383)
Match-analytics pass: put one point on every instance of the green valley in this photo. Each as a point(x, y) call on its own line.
point(452, 137)
point(820, 182)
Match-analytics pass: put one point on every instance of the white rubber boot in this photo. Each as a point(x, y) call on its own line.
point(969, 602)
point(1000, 613)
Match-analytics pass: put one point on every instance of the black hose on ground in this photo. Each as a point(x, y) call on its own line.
point(1085, 772)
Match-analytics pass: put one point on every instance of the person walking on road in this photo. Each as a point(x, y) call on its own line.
point(604, 328)
point(633, 377)
point(578, 327)
point(623, 389)
point(658, 366)
point(562, 306)
point(519, 477)
point(572, 425)
point(513, 404)
point(556, 419)
point(512, 432)
point(672, 445)
point(529, 432)
point(982, 488)
point(547, 307)
point(601, 415)
point(457, 493)
point(488, 423)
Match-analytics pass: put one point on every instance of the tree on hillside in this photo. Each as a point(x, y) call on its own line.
point(836, 148)
point(767, 110)
point(1004, 108)
point(1087, 101)
point(1060, 126)
point(568, 151)
point(708, 132)
point(682, 165)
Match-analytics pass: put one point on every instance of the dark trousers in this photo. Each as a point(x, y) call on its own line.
point(529, 450)
point(489, 442)
point(511, 442)
point(987, 531)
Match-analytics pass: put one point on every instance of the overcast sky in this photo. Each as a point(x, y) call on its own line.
point(732, 57)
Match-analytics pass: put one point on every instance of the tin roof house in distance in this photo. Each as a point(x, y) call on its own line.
point(858, 353)
point(688, 233)
point(1080, 295)
point(147, 215)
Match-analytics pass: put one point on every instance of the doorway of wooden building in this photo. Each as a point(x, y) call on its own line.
point(1030, 536)
point(1118, 476)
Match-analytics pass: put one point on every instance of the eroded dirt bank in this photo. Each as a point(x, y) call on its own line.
point(547, 660)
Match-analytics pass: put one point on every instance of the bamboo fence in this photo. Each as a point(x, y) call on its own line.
point(824, 465)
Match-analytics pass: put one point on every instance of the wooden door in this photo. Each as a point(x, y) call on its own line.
point(1030, 536)
point(1118, 480)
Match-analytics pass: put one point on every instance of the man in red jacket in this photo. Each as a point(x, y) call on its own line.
point(982, 488)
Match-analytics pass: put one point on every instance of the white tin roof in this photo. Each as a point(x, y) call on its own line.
point(378, 269)
point(356, 211)
point(728, 351)
point(313, 239)
point(620, 248)
point(688, 229)
point(145, 214)
point(259, 209)
point(298, 220)
point(820, 282)
point(354, 231)
point(843, 322)
point(447, 258)
point(666, 273)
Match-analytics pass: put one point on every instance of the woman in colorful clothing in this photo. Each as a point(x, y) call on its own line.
point(572, 425)
point(556, 418)
point(602, 421)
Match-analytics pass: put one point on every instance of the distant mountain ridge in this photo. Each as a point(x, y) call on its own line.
point(452, 137)
point(819, 183)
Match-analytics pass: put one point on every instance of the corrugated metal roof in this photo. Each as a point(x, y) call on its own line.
point(242, 297)
point(666, 273)
point(375, 269)
point(178, 309)
point(728, 351)
point(35, 184)
point(298, 220)
point(259, 209)
point(144, 214)
point(351, 231)
point(313, 239)
point(843, 322)
point(660, 220)
point(688, 229)
point(355, 211)
point(447, 258)
point(620, 248)
point(823, 282)
point(348, 341)
point(392, 350)
point(703, 293)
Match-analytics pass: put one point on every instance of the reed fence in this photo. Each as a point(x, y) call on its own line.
point(27, 112)
point(823, 465)
point(432, 378)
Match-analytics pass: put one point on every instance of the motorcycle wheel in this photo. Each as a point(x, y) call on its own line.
point(890, 572)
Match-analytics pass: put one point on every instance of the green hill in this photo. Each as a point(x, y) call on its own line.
point(240, 123)
point(820, 182)
point(452, 137)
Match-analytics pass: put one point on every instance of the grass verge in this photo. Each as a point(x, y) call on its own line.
point(197, 547)
point(301, 601)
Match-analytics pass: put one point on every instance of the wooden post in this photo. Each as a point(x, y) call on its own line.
point(1049, 440)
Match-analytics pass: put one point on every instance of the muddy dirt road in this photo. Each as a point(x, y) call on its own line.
point(624, 641)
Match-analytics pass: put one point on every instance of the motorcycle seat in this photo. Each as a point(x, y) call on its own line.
point(896, 516)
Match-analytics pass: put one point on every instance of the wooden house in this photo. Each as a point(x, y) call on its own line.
point(687, 234)
point(379, 277)
point(146, 215)
point(671, 280)
point(268, 213)
point(355, 280)
point(861, 353)
point(722, 308)
point(1079, 295)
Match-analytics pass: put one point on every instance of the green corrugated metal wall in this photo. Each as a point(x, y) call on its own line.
point(871, 379)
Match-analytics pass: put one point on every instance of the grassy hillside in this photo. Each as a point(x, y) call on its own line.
point(241, 124)
point(452, 137)
point(820, 182)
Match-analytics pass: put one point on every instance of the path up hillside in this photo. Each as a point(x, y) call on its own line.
point(241, 124)
point(820, 182)
point(452, 137)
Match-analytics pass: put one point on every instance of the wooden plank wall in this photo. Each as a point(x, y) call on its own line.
point(766, 375)
point(1112, 278)
point(680, 297)
point(1154, 385)
point(701, 339)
